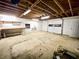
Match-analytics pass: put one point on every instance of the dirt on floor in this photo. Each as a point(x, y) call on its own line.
point(36, 45)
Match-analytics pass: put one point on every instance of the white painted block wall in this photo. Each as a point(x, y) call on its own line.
point(33, 24)
point(70, 27)
point(55, 29)
point(40, 25)
point(44, 25)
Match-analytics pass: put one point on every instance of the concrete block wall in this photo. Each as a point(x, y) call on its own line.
point(70, 26)
point(54, 29)
point(45, 25)
point(33, 24)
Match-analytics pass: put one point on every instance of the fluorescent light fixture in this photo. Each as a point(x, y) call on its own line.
point(35, 19)
point(26, 12)
point(46, 17)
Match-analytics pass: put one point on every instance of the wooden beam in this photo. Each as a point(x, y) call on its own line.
point(33, 5)
point(59, 5)
point(10, 8)
point(52, 8)
point(16, 7)
point(74, 9)
point(37, 11)
point(43, 9)
point(5, 9)
point(48, 12)
point(70, 7)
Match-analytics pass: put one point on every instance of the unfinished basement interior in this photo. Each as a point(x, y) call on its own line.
point(39, 29)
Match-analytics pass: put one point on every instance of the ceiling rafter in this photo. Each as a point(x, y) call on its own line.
point(7, 7)
point(52, 8)
point(43, 9)
point(74, 9)
point(59, 5)
point(33, 5)
point(37, 11)
point(12, 5)
point(3, 10)
point(70, 7)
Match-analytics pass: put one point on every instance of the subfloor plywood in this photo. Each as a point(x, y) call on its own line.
point(36, 45)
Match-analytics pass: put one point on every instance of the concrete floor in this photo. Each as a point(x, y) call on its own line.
point(36, 45)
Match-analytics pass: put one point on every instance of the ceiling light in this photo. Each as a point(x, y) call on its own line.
point(46, 17)
point(27, 11)
point(35, 19)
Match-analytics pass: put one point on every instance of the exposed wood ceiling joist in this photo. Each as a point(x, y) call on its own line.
point(9, 8)
point(6, 3)
point(43, 9)
point(53, 8)
point(58, 4)
point(70, 7)
point(33, 5)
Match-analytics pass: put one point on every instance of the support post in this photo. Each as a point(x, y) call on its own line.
point(62, 26)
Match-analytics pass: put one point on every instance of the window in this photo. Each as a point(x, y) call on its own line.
point(51, 25)
point(27, 25)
